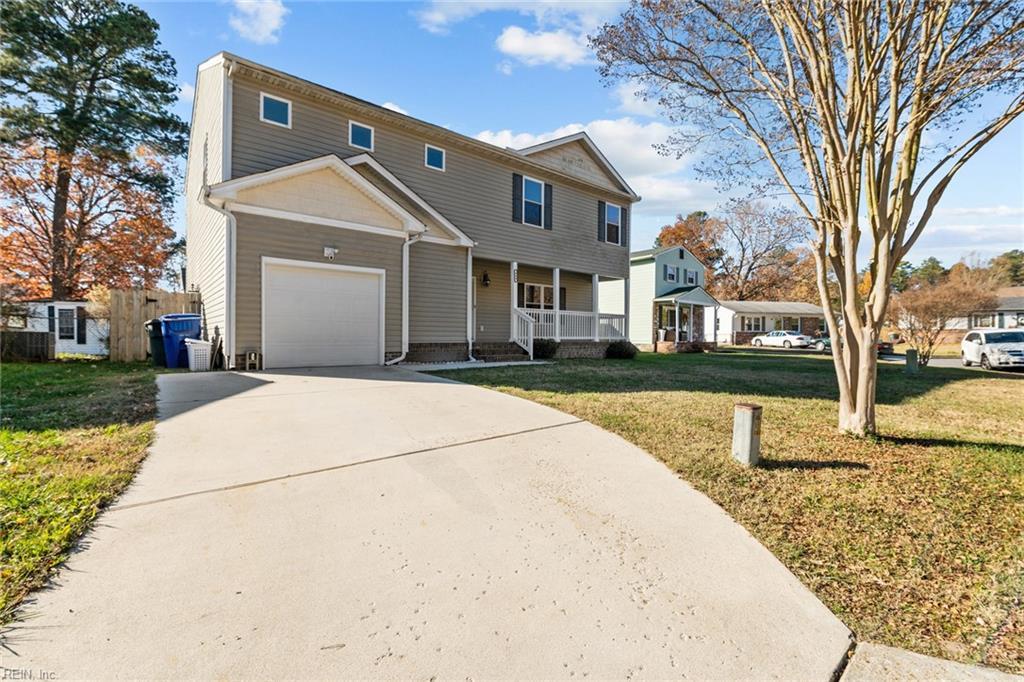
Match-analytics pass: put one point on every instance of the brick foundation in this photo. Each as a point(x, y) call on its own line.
point(569, 350)
point(437, 352)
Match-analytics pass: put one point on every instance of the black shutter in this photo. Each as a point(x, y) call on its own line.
point(80, 324)
point(561, 298)
point(624, 227)
point(50, 318)
point(601, 227)
point(519, 295)
point(517, 198)
point(549, 197)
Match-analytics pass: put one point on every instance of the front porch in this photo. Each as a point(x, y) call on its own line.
point(678, 320)
point(541, 303)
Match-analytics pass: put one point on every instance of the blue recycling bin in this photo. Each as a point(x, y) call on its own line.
point(177, 327)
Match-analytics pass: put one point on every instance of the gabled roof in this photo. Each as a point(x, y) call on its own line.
point(587, 143)
point(773, 307)
point(691, 294)
point(655, 252)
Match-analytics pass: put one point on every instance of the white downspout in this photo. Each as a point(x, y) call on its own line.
point(409, 241)
point(469, 304)
point(229, 285)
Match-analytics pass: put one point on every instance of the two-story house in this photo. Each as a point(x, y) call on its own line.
point(666, 300)
point(326, 230)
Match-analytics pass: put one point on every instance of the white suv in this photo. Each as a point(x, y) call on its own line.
point(786, 339)
point(993, 348)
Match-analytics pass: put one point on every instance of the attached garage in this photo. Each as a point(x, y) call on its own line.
point(321, 314)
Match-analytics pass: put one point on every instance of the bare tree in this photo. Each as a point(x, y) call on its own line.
point(834, 100)
point(758, 244)
point(922, 313)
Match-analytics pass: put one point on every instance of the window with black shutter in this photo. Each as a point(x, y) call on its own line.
point(80, 320)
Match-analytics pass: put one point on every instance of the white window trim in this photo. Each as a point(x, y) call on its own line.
point(542, 207)
point(265, 95)
point(617, 224)
point(673, 271)
point(542, 287)
point(691, 277)
point(373, 135)
point(444, 157)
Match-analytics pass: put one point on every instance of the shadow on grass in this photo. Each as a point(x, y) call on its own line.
point(810, 464)
point(953, 443)
point(749, 373)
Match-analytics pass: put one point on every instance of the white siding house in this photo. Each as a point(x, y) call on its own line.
point(740, 321)
point(73, 330)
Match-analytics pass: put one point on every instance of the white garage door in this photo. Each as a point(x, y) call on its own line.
point(321, 316)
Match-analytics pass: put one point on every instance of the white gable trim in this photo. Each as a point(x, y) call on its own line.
point(462, 238)
point(315, 219)
point(228, 191)
point(591, 147)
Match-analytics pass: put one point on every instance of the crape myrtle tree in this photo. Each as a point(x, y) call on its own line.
point(87, 77)
point(833, 101)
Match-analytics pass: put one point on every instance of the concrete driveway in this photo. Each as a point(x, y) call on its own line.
point(378, 523)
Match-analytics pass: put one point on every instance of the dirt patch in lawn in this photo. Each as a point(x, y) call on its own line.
point(915, 538)
point(73, 434)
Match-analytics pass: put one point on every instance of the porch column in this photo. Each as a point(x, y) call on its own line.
point(689, 325)
point(513, 270)
point(557, 296)
point(594, 306)
point(677, 325)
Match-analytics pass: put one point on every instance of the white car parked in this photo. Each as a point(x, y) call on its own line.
point(992, 348)
point(786, 339)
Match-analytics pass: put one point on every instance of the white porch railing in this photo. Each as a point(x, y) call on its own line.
point(576, 325)
point(522, 330)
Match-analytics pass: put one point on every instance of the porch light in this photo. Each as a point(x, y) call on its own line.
point(486, 279)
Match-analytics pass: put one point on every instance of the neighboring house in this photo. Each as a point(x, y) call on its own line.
point(667, 300)
point(72, 328)
point(1008, 314)
point(326, 230)
point(741, 321)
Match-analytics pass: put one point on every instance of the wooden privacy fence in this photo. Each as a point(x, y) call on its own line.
point(130, 309)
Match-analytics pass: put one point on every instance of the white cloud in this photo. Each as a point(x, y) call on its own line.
point(259, 21)
point(394, 107)
point(504, 67)
point(985, 211)
point(186, 92)
point(560, 48)
point(632, 103)
point(440, 15)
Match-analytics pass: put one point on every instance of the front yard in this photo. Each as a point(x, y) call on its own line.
point(915, 538)
point(73, 434)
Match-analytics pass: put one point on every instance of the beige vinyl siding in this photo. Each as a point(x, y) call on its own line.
point(437, 293)
point(474, 193)
point(259, 236)
point(574, 159)
point(206, 229)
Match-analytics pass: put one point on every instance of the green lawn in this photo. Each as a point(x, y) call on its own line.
point(73, 433)
point(914, 538)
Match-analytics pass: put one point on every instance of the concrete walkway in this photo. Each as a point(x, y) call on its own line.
point(380, 523)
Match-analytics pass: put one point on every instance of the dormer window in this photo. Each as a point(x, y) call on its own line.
point(360, 135)
point(275, 110)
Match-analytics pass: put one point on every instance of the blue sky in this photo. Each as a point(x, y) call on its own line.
point(514, 73)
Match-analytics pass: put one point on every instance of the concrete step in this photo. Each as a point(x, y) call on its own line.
point(503, 358)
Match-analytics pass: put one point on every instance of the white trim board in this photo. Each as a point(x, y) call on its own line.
point(316, 220)
point(314, 265)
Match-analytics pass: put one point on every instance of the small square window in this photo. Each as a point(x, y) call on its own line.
point(275, 110)
point(533, 202)
point(66, 324)
point(433, 157)
point(360, 135)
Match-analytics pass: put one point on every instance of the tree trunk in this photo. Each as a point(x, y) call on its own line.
point(60, 287)
point(857, 393)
